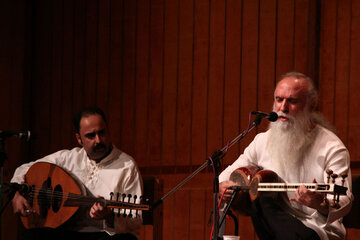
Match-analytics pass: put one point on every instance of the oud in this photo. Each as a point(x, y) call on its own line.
point(257, 181)
point(55, 196)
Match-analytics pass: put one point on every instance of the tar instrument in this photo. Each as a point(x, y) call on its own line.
point(258, 181)
point(55, 196)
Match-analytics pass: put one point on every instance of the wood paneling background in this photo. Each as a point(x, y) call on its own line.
point(176, 78)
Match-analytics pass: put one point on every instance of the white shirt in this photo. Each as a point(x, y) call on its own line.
point(326, 152)
point(116, 173)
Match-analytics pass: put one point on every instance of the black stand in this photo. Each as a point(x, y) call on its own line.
point(3, 157)
point(213, 161)
point(227, 210)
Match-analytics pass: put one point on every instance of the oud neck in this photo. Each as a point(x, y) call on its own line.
point(85, 201)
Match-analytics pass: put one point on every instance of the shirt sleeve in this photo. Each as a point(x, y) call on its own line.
point(20, 172)
point(248, 158)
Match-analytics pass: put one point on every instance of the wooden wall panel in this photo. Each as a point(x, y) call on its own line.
point(232, 77)
point(170, 88)
point(155, 82)
point(354, 84)
point(127, 93)
point(301, 36)
point(200, 81)
point(285, 37)
point(267, 57)
point(327, 59)
point(342, 74)
point(216, 76)
point(115, 74)
point(177, 80)
point(67, 73)
point(56, 90)
point(90, 60)
point(142, 83)
point(184, 85)
point(249, 66)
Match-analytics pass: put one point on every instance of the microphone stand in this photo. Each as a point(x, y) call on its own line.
point(214, 161)
point(236, 190)
point(3, 157)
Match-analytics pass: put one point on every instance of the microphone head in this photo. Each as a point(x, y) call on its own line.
point(273, 117)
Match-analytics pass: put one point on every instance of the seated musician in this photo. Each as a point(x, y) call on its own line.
point(300, 147)
point(102, 169)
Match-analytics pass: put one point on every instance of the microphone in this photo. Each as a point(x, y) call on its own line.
point(20, 134)
point(272, 116)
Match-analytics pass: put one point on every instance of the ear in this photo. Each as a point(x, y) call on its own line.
point(313, 105)
point(78, 138)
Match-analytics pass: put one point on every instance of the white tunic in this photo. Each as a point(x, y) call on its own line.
point(326, 152)
point(116, 173)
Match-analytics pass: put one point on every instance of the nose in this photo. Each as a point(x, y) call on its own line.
point(284, 107)
point(97, 138)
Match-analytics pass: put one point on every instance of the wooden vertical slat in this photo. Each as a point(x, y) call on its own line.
point(128, 76)
point(169, 207)
point(184, 89)
point(285, 37)
point(181, 221)
point(171, 50)
point(155, 81)
point(232, 77)
point(200, 81)
point(327, 59)
point(115, 72)
point(78, 97)
point(102, 86)
point(249, 66)
point(312, 46)
point(267, 57)
point(57, 75)
point(301, 36)
point(342, 68)
point(142, 82)
point(90, 59)
point(354, 85)
point(68, 74)
point(41, 77)
point(216, 76)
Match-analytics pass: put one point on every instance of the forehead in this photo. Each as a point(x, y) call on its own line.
point(92, 123)
point(292, 87)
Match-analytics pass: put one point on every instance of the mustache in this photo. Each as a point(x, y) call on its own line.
point(282, 114)
point(99, 146)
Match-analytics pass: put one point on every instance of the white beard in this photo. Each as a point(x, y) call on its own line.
point(287, 145)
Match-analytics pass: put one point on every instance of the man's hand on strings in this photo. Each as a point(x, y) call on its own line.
point(309, 198)
point(223, 186)
point(98, 211)
point(21, 205)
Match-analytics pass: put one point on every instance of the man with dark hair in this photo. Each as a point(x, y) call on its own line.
point(300, 148)
point(101, 168)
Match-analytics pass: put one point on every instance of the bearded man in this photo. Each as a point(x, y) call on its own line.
point(300, 147)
